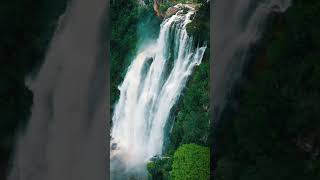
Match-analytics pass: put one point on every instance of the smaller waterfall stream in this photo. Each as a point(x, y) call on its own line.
point(152, 85)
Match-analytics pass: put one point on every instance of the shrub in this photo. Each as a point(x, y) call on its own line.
point(191, 161)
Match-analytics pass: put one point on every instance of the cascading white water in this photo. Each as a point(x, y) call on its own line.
point(65, 136)
point(149, 91)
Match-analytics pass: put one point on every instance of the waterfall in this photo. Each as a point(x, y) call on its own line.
point(151, 87)
point(237, 26)
point(65, 138)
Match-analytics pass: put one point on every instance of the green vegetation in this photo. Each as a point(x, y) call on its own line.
point(275, 131)
point(131, 24)
point(199, 28)
point(191, 114)
point(192, 117)
point(26, 28)
point(160, 168)
point(124, 18)
point(191, 162)
point(164, 6)
point(126, 33)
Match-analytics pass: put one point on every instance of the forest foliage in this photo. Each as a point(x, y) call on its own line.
point(191, 161)
point(191, 121)
point(130, 23)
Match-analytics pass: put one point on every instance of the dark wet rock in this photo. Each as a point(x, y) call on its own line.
point(114, 146)
point(171, 11)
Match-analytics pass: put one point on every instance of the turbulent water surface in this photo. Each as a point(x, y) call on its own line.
point(149, 90)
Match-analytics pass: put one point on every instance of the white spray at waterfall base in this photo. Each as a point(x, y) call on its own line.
point(149, 91)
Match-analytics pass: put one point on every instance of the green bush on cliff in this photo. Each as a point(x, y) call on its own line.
point(131, 24)
point(164, 6)
point(191, 122)
point(159, 168)
point(199, 28)
point(191, 162)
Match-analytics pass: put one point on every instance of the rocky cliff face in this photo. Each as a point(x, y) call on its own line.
point(174, 9)
point(156, 8)
point(171, 10)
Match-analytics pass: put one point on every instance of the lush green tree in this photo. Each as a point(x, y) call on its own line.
point(190, 162)
point(159, 168)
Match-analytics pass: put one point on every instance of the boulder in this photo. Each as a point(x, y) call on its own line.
point(171, 11)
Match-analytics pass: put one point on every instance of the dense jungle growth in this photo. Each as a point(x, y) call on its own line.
point(190, 117)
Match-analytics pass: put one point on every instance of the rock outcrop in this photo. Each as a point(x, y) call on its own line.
point(156, 8)
point(171, 10)
point(174, 9)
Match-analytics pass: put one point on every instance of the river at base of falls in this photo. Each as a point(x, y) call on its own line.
point(151, 87)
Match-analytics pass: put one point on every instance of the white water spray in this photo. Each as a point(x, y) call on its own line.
point(149, 91)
